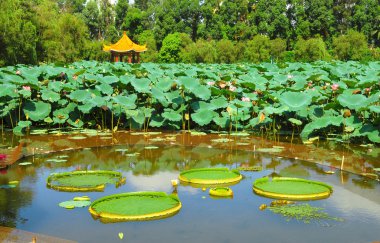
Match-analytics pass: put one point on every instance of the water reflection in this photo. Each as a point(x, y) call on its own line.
point(31, 206)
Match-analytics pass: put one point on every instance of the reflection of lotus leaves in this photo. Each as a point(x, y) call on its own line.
point(269, 150)
point(77, 137)
point(25, 163)
point(240, 134)
point(196, 133)
point(221, 140)
point(151, 147)
point(294, 170)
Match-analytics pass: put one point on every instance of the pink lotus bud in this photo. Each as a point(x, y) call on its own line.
point(245, 99)
point(210, 83)
point(335, 87)
point(232, 88)
point(3, 156)
point(75, 77)
point(18, 72)
point(26, 88)
point(222, 85)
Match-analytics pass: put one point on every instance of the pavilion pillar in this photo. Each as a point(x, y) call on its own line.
point(129, 57)
point(116, 58)
point(138, 57)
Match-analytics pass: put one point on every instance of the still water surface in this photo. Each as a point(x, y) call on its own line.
point(33, 207)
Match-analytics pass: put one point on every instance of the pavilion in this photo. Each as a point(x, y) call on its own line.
point(125, 47)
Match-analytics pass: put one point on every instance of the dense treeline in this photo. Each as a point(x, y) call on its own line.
point(33, 31)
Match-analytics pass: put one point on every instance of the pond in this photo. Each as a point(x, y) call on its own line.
point(354, 206)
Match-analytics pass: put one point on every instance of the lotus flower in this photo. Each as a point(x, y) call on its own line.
point(3, 156)
point(232, 88)
point(18, 72)
point(26, 88)
point(245, 99)
point(335, 87)
point(210, 83)
point(222, 85)
point(290, 76)
point(75, 77)
point(174, 182)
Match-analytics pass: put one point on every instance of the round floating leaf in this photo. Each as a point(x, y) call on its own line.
point(25, 163)
point(203, 117)
point(37, 111)
point(295, 100)
point(74, 204)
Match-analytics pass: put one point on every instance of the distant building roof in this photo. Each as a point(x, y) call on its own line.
point(124, 45)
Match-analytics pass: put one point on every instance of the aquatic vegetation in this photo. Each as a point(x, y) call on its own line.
point(315, 98)
point(302, 212)
point(221, 192)
point(74, 204)
point(135, 206)
point(250, 168)
point(291, 188)
point(84, 180)
point(210, 176)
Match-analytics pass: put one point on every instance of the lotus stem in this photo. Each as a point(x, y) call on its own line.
point(112, 120)
point(10, 117)
point(236, 120)
point(147, 124)
point(101, 112)
point(291, 140)
point(19, 109)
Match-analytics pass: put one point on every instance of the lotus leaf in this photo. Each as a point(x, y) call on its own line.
point(105, 88)
point(80, 95)
point(141, 85)
point(37, 111)
point(355, 102)
point(295, 100)
point(49, 95)
point(295, 121)
point(203, 117)
point(171, 115)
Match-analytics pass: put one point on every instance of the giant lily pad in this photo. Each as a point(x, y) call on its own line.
point(135, 206)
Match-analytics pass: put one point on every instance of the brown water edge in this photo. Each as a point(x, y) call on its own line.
point(16, 235)
point(348, 157)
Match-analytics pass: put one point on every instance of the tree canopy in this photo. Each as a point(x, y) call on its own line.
point(68, 30)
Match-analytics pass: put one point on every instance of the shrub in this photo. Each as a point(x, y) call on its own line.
point(277, 48)
point(258, 49)
point(171, 47)
point(226, 51)
point(311, 50)
point(147, 38)
point(201, 51)
point(352, 46)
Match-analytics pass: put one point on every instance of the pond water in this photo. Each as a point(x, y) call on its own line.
point(31, 206)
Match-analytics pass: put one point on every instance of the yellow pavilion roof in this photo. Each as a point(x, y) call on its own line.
point(124, 45)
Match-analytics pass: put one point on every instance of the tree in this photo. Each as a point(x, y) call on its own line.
point(91, 15)
point(147, 38)
point(270, 18)
point(310, 50)
point(201, 51)
point(277, 48)
point(171, 47)
point(257, 49)
point(18, 37)
point(352, 46)
point(133, 22)
point(226, 51)
point(366, 19)
point(121, 10)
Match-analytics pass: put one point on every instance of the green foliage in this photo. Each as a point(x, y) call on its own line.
point(311, 50)
point(303, 212)
point(352, 46)
point(171, 47)
point(258, 49)
point(201, 51)
point(315, 97)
